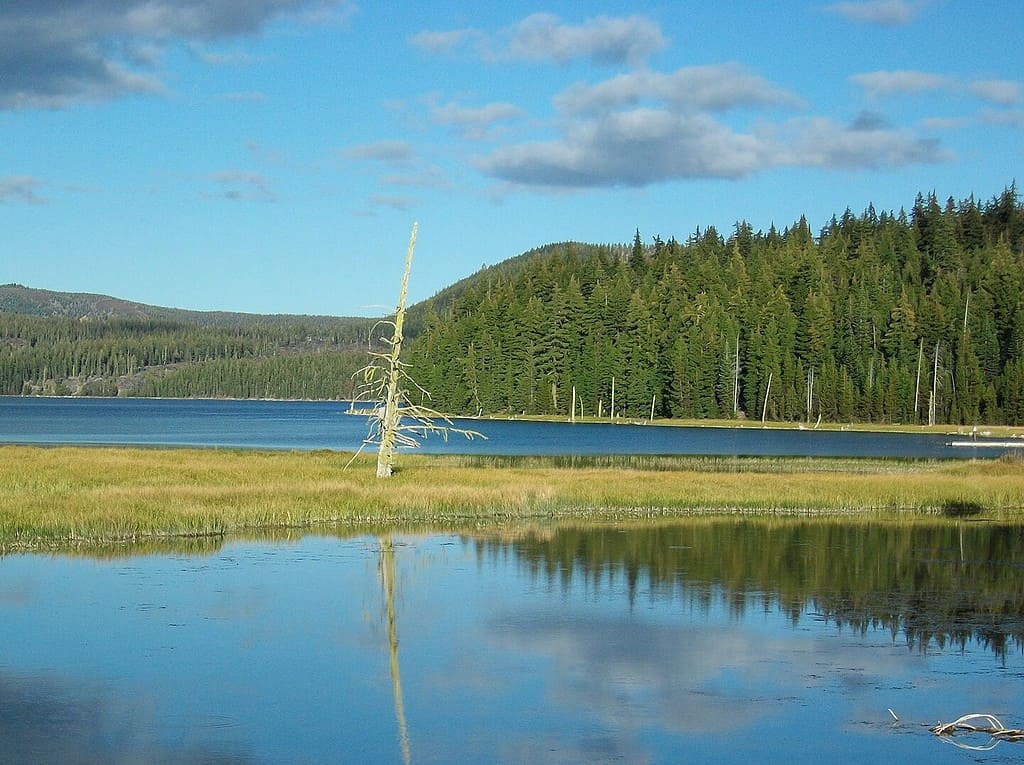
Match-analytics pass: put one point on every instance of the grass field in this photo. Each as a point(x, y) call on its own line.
point(55, 497)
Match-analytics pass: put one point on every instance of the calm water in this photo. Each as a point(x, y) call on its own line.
point(324, 425)
point(707, 641)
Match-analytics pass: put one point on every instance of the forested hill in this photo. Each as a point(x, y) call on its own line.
point(59, 343)
point(882, 317)
point(16, 298)
point(487, 276)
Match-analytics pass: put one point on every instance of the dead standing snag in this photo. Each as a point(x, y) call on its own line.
point(395, 421)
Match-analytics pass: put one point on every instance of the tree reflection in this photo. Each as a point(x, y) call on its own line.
point(936, 583)
point(388, 570)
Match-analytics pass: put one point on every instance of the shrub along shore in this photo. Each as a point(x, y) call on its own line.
point(67, 496)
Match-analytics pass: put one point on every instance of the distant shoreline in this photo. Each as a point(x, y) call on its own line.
point(998, 431)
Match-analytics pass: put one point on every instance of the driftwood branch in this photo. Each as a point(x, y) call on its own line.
point(977, 722)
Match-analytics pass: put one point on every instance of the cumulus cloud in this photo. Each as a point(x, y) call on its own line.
point(648, 146)
point(866, 144)
point(642, 126)
point(544, 37)
point(54, 53)
point(475, 122)
point(645, 127)
point(604, 40)
point(886, 84)
point(20, 188)
point(717, 87)
point(886, 13)
point(632, 148)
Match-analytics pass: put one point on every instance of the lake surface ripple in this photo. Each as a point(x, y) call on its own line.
point(700, 641)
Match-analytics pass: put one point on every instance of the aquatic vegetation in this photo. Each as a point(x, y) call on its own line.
point(68, 496)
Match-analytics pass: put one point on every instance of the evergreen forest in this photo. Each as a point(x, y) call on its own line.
point(261, 357)
point(903, 318)
point(880, 317)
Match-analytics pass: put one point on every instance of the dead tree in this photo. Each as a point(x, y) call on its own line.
point(394, 420)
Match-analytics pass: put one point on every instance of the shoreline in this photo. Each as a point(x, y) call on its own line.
point(58, 496)
point(948, 429)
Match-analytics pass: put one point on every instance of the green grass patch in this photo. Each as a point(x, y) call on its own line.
point(67, 496)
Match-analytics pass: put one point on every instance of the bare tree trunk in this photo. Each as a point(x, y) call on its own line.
point(736, 381)
point(917, 386)
point(391, 414)
point(810, 394)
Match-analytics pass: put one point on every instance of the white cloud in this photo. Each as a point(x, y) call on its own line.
point(54, 54)
point(886, 13)
point(880, 84)
point(603, 40)
point(824, 143)
point(475, 122)
point(634, 148)
point(20, 188)
point(543, 37)
point(443, 42)
point(883, 84)
point(648, 146)
point(1001, 92)
point(716, 87)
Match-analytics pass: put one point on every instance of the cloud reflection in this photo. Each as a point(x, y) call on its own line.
point(45, 720)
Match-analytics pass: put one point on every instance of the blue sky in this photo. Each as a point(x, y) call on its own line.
point(270, 156)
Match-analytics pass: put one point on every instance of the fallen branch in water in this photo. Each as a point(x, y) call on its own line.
point(989, 724)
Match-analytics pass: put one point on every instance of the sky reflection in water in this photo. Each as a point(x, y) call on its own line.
point(279, 652)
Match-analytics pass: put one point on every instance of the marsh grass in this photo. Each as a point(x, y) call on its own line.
point(66, 496)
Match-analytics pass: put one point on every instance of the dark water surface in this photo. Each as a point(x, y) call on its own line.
point(324, 425)
point(704, 641)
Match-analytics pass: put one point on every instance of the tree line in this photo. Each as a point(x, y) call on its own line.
point(146, 357)
point(881, 317)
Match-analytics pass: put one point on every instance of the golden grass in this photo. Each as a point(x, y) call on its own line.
point(69, 495)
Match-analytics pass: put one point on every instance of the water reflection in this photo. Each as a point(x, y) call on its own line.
point(931, 583)
point(43, 720)
point(705, 640)
point(389, 576)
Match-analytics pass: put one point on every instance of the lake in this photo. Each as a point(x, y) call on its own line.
point(325, 425)
point(726, 641)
